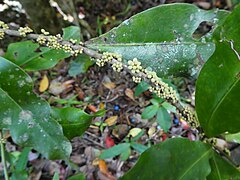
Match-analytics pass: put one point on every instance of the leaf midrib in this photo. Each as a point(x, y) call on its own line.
point(146, 44)
point(220, 101)
point(190, 167)
point(35, 56)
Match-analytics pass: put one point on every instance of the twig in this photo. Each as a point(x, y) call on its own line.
point(3, 157)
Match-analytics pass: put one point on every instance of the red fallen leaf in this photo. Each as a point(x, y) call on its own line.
point(164, 137)
point(109, 142)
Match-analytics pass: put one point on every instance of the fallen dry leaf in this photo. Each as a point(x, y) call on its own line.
point(109, 142)
point(56, 87)
point(111, 121)
point(44, 83)
point(108, 83)
point(129, 93)
point(103, 166)
point(120, 131)
point(101, 105)
point(151, 131)
point(134, 132)
point(92, 108)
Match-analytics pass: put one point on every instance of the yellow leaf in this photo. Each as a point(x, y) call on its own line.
point(134, 132)
point(111, 121)
point(151, 131)
point(101, 105)
point(44, 83)
point(103, 166)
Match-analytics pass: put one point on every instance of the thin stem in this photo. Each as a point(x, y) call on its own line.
point(3, 157)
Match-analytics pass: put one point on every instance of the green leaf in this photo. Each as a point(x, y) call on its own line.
point(115, 151)
point(164, 119)
point(73, 120)
point(150, 111)
point(27, 116)
point(173, 159)
point(233, 137)
point(22, 175)
point(138, 147)
point(79, 65)
point(221, 169)
point(23, 159)
point(230, 29)
point(72, 32)
point(161, 38)
point(169, 107)
point(141, 87)
point(79, 176)
point(125, 154)
point(56, 176)
point(218, 85)
point(32, 57)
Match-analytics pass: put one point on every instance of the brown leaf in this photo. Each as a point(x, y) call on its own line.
point(120, 131)
point(108, 83)
point(44, 83)
point(129, 93)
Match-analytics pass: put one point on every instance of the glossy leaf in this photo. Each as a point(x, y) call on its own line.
point(230, 29)
point(74, 121)
point(173, 159)
point(150, 111)
point(72, 32)
point(31, 56)
point(218, 85)
point(222, 170)
point(233, 137)
point(79, 65)
point(161, 38)
point(164, 119)
point(27, 116)
point(115, 151)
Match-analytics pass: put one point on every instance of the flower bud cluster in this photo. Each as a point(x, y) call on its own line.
point(135, 66)
point(117, 66)
point(41, 40)
point(159, 87)
point(3, 27)
point(107, 57)
point(24, 31)
point(54, 43)
point(188, 115)
point(136, 79)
